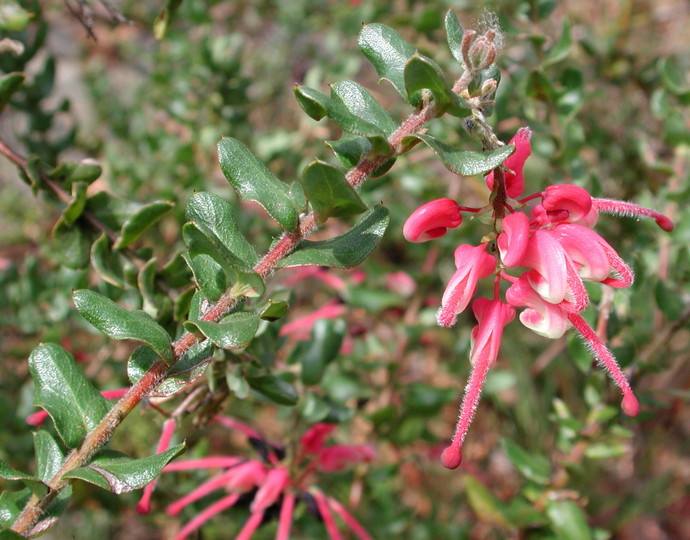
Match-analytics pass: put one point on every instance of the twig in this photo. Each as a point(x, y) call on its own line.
point(102, 433)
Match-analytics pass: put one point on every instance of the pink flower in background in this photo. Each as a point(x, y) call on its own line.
point(550, 249)
point(276, 480)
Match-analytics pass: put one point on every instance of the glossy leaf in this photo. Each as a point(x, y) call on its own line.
point(187, 369)
point(532, 466)
point(49, 456)
point(237, 383)
point(119, 473)
point(215, 213)
point(7, 534)
point(360, 103)
point(73, 403)
point(11, 505)
point(318, 105)
point(454, 33)
point(10, 473)
point(76, 206)
point(346, 250)
point(208, 275)
point(142, 219)
point(9, 84)
point(388, 52)
point(235, 331)
point(146, 280)
point(276, 389)
point(254, 182)
point(329, 193)
point(422, 73)
point(119, 323)
point(72, 245)
point(324, 346)
point(13, 17)
point(107, 263)
point(351, 149)
point(568, 520)
point(465, 162)
point(201, 240)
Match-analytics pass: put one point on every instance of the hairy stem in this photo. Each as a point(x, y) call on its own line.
point(99, 436)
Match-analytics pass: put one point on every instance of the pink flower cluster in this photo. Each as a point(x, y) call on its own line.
point(550, 251)
point(268, 482)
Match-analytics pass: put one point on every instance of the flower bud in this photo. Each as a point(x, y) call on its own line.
point(431, 220)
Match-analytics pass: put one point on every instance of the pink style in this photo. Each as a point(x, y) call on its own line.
point(545, 252)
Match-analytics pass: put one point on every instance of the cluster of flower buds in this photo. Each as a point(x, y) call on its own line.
point(271, 485)
point(544, 256)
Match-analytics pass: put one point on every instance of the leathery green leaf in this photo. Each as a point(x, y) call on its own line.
point(568, 520)
point(360, 103)
point(142, 219)
point(49, 456)
point(276, 389)
point(346, 250)
point(329, 193)
point(106, 263)
point(388, 52)
point(118, 323)
point(119, 473)
point(73, 403)
point(235, 331)
point(254, 182)
point(324, 346)
point(9, 84)
point(454, 34)
point(464, 162)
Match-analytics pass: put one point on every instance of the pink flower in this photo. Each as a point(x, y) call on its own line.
point(300, 328)
point(565, 202)
point(515, 182)
point(512, 242)
point(492, 317)
point(273, 482)
point(401, 283)
point(542, 317)
point(432, 220)
point(473, 263)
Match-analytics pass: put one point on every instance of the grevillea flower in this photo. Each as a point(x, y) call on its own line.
point(553, 250)
point(432, 220)
point(275, 480)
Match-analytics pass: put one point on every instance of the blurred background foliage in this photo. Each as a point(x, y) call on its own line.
point(604, 87)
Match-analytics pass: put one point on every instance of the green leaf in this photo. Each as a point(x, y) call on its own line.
point(11, 505)
point(568, 520)
point(49, 456)
point(532, 466)
point(274, 310)
point(76, 206)
point(388, 52)
point(106, 263)
point(484, 503)
point(72, 245)
point(454, 34)
point(146, 281)
point(142, 219)
point(351, 149)
point(215, 213)
point(70, 172)
point(10, 473)
point(73, 403)
point(344, 251)
point(318, 105)
point(119, 473)
point(235, 331)
point(276, 389)
point(237, 384)
point(422, 73)
point(539, 86)
point(329, 193)
point(360, 103)
point(119, 323)
point(176, 272)
point(201, 240)
point(187, 369)
point(561, 48)
point(208, 275)
point(324, 346)
point(465, 162)
point(9, 84)
point(7, 534)
point(254, 182)
point(674, 79)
